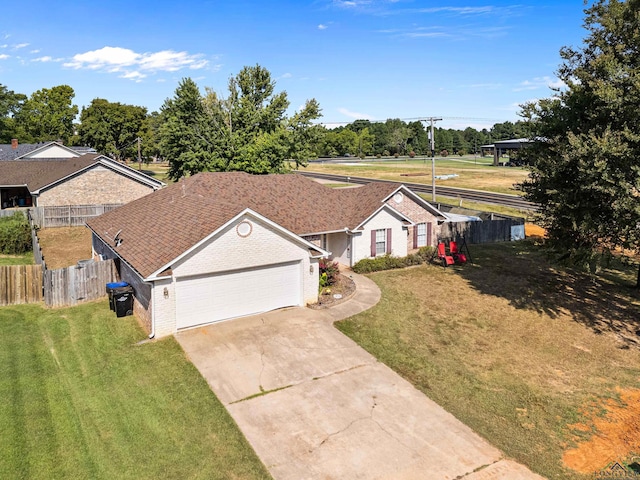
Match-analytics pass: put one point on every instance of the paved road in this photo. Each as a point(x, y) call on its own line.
point(314, 405)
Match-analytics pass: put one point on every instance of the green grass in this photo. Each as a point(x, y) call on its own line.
point(81, 400)
point(480, 207)
point(156, 170)
point(476, 174)
point(24, 259)
point(511, 345)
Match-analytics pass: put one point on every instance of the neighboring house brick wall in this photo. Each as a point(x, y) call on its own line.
point(383, 219)
point(97, 185)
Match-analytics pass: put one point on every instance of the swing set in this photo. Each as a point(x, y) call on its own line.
point(454, 255)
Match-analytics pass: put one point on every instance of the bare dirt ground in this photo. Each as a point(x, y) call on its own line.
point(63, 247)
point(615, 435)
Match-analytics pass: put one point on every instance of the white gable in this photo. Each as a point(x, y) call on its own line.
point(52, 151)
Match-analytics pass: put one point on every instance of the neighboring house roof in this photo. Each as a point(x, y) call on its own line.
point(7, 152)
point(158, 228)
point(41, 173)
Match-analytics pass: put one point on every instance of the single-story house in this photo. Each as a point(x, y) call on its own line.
point(87, 179)
point(22, 151)
point(217, 246)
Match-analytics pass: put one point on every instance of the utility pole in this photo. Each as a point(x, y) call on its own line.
point(139, 156)
point(432, 120)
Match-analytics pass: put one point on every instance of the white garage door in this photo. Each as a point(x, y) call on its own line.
point(211, 298)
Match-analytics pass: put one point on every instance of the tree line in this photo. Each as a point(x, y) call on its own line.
point(247, 128)
point(585, 172)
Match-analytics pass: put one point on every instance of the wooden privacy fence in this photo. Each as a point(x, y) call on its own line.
point(61, 287)
point(81, 283)
point(20, 284)
point(487, 231)
point(68, 215)
point(35, 243)
point(9, 212)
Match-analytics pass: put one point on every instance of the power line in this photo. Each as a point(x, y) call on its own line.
point(416, 119)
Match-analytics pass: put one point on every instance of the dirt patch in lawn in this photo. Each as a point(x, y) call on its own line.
point(615, 435)
point(63, 247)
point(342, 290)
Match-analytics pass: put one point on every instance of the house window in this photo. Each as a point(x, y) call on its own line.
point(421, 236)
point(381, 241)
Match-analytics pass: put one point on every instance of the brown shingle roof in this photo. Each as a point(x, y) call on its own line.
point(42, 172)
point(39, 173)
point(159, 227)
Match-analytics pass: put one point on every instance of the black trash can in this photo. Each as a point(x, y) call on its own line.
point(123, 301)
point(111, 287)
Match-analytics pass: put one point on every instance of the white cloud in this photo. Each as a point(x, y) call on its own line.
point(459, 10)
point(20, 45)
point(46, 58)
point(4, 56)
point(425, 34)
point(286, 75)
point(538, 83)
point(131, 64)
point(351, 3)
point(133, 75)
point(322, 27)
point(4, 45)
point(355, 115)
point(35, 51)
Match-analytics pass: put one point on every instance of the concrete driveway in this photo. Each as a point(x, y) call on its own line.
point(314, 405)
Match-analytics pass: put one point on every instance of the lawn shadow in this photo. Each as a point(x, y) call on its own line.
point(520, 273)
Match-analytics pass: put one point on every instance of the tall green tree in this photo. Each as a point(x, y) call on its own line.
point(10, 104)
point(185, 132)
point(112, 127)
point(247, 131)
point(419, 140)
point(586, 167)
point(48, 115)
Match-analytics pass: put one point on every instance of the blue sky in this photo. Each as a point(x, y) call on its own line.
point(470, 62)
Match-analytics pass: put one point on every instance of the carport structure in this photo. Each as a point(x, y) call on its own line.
point(501, 147)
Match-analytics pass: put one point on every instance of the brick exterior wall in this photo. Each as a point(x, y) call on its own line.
point(165, 307)
point(228, 251)
point(142, 291)
point(97, 185)
point(361, 243)
point(417, 214)
point(339, 244)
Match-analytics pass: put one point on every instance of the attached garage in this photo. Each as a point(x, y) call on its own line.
point(206, 299)
point(217, 246)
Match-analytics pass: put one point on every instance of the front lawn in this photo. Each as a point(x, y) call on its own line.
point(542, 362)
point(80, 399)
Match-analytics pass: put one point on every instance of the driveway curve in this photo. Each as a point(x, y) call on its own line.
point(315, 405)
